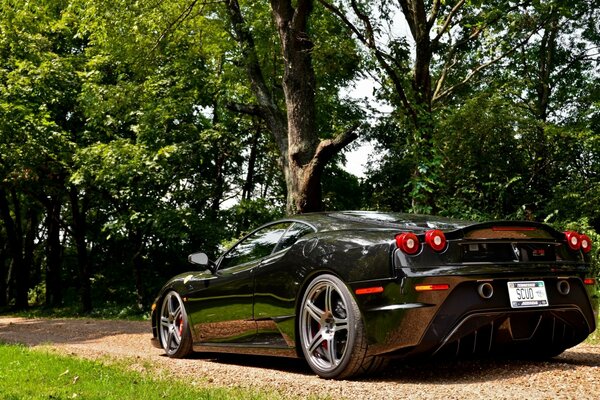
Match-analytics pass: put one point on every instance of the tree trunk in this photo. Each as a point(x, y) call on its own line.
point(3, 274)
point(83, 266)
point(136, 238)
point(422, 194)
point(18, 270)
point(53, 253)
point(303, 155)
point(540, 179)
point(416, 17)
point(299, 89)
point(29, 246)
point(219, 182)
point(249, 183)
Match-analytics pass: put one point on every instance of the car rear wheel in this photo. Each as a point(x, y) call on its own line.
point(175, 336)
point(331, 331)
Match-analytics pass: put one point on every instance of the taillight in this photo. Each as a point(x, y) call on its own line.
point(435, 239)
point(573, 240)
point(408, 242)
point(586, 243)
point(589, 281)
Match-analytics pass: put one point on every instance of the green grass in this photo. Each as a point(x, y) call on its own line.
point(37, 374)
point(594, 338)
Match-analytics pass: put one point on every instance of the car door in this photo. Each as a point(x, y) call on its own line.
point(276, 285)
point(222, 306)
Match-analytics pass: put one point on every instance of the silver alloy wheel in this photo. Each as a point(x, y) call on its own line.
point(172, 323)
point(326, 321)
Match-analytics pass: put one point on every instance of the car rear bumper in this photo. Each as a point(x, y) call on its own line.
point(461, 321)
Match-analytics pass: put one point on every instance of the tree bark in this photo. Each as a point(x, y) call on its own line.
point(18, 269)
point(249, 183)
point(303, 155)
point(136, 238)
point(53, 253)
point(3, 274)
point(79, 236)
point(299, 91)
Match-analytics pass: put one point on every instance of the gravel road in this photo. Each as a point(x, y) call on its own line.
point(573, 375)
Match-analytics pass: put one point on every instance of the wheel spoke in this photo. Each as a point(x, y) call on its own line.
point(331, 351)
point(328, 298)
point(172, 300)
point(315, 342)
point(170, 339)
point(341, 324)
point(164, 322)
point(176, 336)
point(177, 311)
point(313, 311)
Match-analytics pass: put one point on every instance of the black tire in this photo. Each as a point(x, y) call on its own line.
point(331, 331)
point(174, 329)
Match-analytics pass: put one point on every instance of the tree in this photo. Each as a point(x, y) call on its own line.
point(37, 108)
point(303, 155)
point(450, 45)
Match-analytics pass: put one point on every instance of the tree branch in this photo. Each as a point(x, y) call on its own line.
point(447, 22)
point(180, 18)
point(338, 13)
point(451, 61)
point(435, 9)
point(300, 18)
point(368, 39)
point(480, 68)
point(276, 121)
point(330, 147)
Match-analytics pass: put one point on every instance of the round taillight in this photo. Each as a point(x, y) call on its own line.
point(435, 239)
point(408, 242)
point(573, 240)
point(586, 243)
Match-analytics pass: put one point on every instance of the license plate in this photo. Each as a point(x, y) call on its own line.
point(527, 294)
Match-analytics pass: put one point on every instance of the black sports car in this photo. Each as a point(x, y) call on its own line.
point(349, 290)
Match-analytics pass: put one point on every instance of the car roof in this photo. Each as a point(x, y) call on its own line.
point(341, 220)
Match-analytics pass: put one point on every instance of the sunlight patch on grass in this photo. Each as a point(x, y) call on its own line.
point(37, 374)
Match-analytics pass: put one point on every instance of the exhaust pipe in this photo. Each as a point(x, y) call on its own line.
point(485, 290)
point(563, 287)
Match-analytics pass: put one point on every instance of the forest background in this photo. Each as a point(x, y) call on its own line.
point(135, 132)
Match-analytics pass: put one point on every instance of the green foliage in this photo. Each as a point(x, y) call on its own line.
point(38, 374)
point(122, 111)
point(341, 190)
point(247, 215)
point(485, 159)
point(583, 225)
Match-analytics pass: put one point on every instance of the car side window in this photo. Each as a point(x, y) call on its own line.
point(295, 232)
point(258, 245)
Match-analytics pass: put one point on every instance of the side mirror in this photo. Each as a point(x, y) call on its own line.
point(199, 259)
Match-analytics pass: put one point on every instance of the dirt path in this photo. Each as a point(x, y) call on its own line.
point(573, 375)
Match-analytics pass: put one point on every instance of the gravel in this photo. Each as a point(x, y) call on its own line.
point(573, 375)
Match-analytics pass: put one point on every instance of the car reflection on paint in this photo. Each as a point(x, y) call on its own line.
point(348, 291)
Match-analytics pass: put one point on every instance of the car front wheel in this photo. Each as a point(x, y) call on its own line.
point(174, 332)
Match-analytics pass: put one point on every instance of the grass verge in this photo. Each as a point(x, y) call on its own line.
point(594, 338)
point(108, 312)
point(37, 374)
